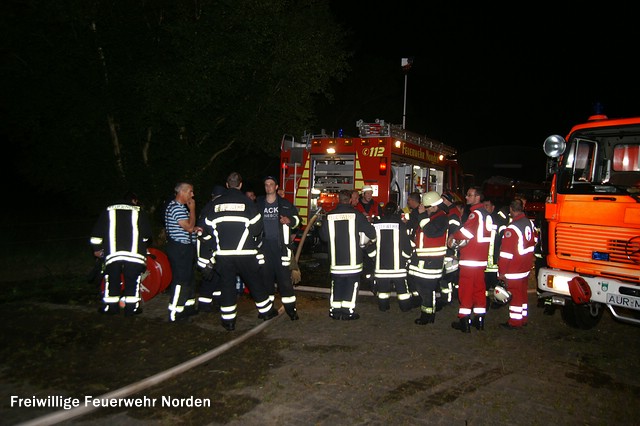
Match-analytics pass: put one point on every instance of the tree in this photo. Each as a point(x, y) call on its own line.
point(123, 94)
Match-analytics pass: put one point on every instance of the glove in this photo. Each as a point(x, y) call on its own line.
point(207, 272)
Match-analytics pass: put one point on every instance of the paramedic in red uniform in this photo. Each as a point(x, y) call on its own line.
point(475, 236)
point(515, 262)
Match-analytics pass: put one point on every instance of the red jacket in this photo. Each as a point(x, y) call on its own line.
point(370, 209)
point(516, 250)
point(475, 231)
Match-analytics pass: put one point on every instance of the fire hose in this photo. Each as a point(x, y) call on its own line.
point(296, 276)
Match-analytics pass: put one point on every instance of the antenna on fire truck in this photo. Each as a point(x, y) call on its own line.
point(406, 66)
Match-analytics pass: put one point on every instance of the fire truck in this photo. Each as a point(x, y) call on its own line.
point(393, 161)
point(592, 217)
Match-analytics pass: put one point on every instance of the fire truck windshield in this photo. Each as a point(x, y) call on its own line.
point(596, 166)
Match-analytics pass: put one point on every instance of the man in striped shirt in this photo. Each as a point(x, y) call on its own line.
point(180, 224)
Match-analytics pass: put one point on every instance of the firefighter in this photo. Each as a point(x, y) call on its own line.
point(347, 231)
point(120, 237)
point(499, 221)
point(449, 280)
point(233, 225)
point(210, 290)
point(180, 224)
point(280, 218)
point(473, 239)
point(393, 251)
point(410, 217)
point(427, 262)
point(367, 204)
point(411, 213)
point(355, 197)
point(515, 262)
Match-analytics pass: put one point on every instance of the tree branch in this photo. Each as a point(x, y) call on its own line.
point(217, 153)
point(116, 144)
point(145, 147)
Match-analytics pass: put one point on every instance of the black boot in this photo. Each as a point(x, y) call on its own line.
point(478, 322)
point(384, 305)
point(229, 325)
point(268, 315)
point(425, 318)
point(292, 312)
point(463, 324)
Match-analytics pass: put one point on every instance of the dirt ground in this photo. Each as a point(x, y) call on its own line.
point(380, 369)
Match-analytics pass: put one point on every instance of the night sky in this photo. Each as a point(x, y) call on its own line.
point(488, 75)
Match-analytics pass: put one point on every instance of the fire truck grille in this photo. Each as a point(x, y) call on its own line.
point(607, 246)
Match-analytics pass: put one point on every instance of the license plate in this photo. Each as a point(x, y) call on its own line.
point(624, 301)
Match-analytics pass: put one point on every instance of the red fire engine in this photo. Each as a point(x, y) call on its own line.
point(393, 161)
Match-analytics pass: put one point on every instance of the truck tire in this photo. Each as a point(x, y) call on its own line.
point(583, 317)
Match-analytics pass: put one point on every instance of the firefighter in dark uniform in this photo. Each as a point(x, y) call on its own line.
point(393, 252)
point(449, 280)
point(346, 231)
point(279, 218)
point(210, 290)
point(121, 236)
point(369, 207)
point(425, 269)
point(411, 218)
point(234, 225)
point(499, 221)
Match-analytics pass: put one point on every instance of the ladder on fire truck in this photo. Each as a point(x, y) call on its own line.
point(366, 130)
point(380, 128)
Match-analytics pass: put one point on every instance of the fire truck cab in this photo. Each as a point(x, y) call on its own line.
point(592, 219)
point(393, 161)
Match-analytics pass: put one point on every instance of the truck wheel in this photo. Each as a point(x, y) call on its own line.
point(583, 317)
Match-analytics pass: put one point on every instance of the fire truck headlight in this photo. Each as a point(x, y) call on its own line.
point(558, 283)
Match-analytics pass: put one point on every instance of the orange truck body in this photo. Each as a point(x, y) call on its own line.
point(592, 223)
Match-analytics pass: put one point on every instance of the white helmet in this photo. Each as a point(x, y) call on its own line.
point(366, 188)
point(501, 294)
point(431, 198)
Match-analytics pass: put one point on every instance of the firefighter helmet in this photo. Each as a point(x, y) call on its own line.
point(431, 198)
point(501, 294)
point(366, 188)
